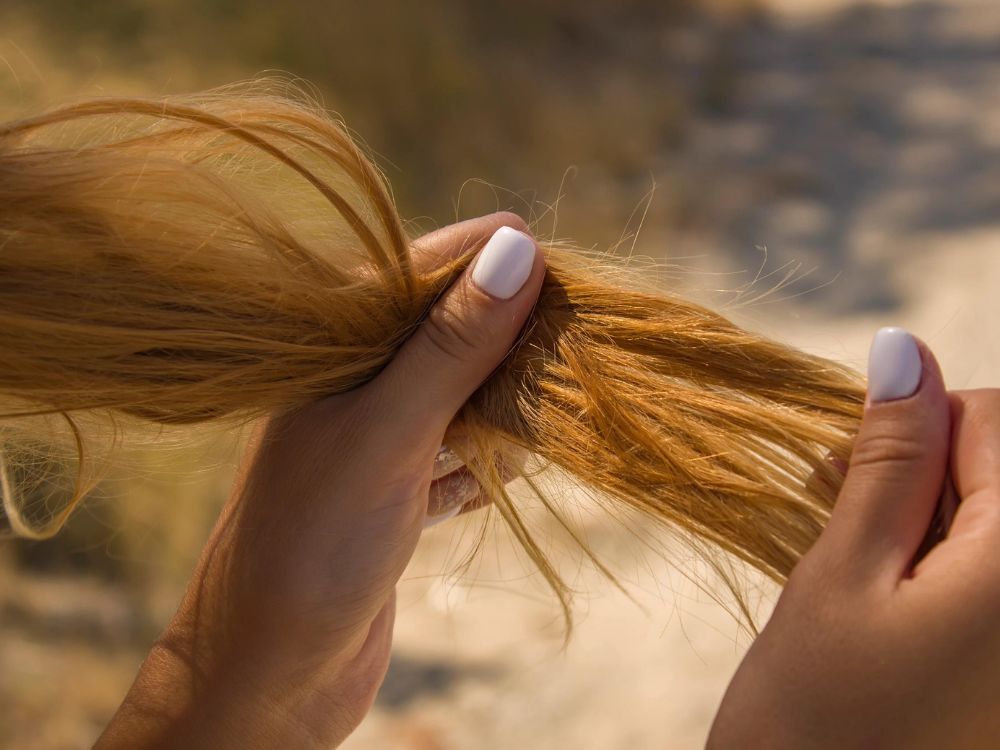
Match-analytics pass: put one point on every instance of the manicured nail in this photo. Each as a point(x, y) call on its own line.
point(505, 263)
point(435, 520)
point(894, 365)
point(445, 462)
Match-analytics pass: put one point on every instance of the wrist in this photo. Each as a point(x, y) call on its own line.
point(236, 700)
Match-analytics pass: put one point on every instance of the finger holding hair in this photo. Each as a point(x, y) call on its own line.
point(975, 467)
point(296, 586)
point(898, 466)
point(388, 432)
point(466, 335)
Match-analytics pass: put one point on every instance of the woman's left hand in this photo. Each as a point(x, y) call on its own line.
point(283, 637)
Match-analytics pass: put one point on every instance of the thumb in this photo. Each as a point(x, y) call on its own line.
point(899, 460)
point(465, 337)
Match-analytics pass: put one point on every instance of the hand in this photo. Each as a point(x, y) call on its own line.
point(868, 648)
point(284, 634)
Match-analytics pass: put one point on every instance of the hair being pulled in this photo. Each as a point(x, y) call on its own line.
point(233, 254)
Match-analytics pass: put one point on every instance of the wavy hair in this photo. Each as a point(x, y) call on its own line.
point(233, 254)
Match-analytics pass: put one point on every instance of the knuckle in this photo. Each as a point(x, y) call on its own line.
point(451, 332)
point(886, 448)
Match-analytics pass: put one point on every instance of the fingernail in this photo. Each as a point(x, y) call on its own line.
point(445, 462)
point(505, 263)
point(435, 520)
point(894, 365)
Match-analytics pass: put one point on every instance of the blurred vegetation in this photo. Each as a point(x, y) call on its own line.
point(513, 94)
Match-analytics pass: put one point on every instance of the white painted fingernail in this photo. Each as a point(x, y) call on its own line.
point(505, 263)
point(894, 366)
point(435, 520)
point(445, 462)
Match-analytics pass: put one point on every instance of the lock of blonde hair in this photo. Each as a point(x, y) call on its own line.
point(234, 254)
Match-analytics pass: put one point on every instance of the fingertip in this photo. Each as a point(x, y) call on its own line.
point(898, 461)
point(505, 263)
point(901, 366)
point(933, 377)
point(894, 365)
point(512, 220)
point(440, 246)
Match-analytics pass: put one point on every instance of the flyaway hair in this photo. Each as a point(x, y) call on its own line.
point(233, 254)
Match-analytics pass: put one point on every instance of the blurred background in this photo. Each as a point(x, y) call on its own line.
point(816, 168)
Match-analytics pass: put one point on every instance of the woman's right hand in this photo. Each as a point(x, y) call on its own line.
point(866, 649)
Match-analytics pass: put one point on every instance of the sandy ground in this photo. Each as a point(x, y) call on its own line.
point(864, 146)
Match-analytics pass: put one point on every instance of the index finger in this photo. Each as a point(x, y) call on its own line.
point(975, 442)
point(975, 474)
point(434, 249)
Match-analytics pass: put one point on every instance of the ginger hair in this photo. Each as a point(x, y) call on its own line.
point(234, 254)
